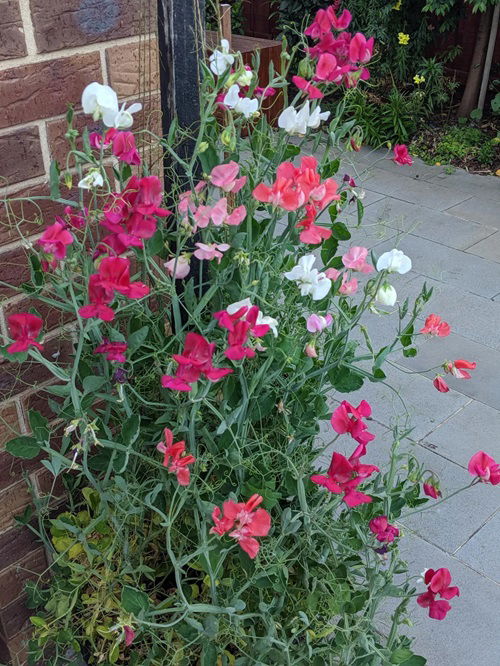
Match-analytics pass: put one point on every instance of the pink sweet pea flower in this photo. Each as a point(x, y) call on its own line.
point(129, 634)
point(115, 351)
point(312, 234)
point(360, 48)
point(76, 220)
point(317, 323)
point(245, 521)
point(24, 328)
point(211, 251)
point(459, 368)
point(349, 419)
point(218, 214)
point(347, 287)
point(310, 350)
point(174, 459)
point(241, 324)
point(401, 155)
point(431, 488)
point(382, 530)
point(97, 141)
point(99, 298)
point(312, 91)
point(344, 476)
point(328, 69)
point(178, 267)
point(114, 275)
point(124, 147)
point(194, 362)
point(440, 384)
point(434, 325)
point(438, 583)
point(485, 467)
point(225, 177)
point(355, 259)
point(55, 240)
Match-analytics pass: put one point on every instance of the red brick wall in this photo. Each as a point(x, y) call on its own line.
point(49, 51)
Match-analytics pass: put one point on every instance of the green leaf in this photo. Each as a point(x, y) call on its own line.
point(54, 176)
point(330, 169)
point(134, 601)
point(328, 250)
point(401, 655)
point(409, 353)
point(130, 429)
point(415, 660)
point(61, 391)
point(209, 655)
point(23, 447)
point(333, 212)
point(138, 338)
point(93, 383)
point(340, 231)
point(38, 424)
point(345, 380)
point(361, 210)
point(291, 151)
point(154, 245)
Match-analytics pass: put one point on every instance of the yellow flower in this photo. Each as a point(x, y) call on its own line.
point(418, 79)
point(398, 4)
point(403, 38)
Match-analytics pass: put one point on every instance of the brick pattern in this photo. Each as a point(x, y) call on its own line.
point(49, 51)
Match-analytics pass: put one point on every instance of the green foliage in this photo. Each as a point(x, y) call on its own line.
point(458, 145)
point(237, 17)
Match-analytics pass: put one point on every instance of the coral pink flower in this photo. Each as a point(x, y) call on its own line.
point(284, 192)
point(99, 298)
point(311, 233)
point(347, 287)
point(317, 323)
point(211, 251)
point(401, 155)
point(178, 267)
point(345, 475)
point(245, 521)
point(195, 361)
point(349, 419)
point(115, 351)
point(459, 368)
point(225, 177)
point(174, 459)
point(129, 635)
point(434, 325)
point(312, 91)
point(440, 384)
point(438, 583)
point(55, 240)
point(383, 530)
point(124, 147)
point(355, 259)
point(24, 328)
point(485, 467)
point(431, 488)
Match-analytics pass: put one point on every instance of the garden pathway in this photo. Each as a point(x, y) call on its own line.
point(449, 224)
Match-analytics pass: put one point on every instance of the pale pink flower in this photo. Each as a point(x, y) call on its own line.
point(178, 267)
point(317, 323)
point(225, 176)
point(355, 259)
point(211, 251)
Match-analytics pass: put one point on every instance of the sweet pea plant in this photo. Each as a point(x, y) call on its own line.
point(209, 332)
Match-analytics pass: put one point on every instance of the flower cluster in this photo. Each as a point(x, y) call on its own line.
point(438, 584)
point(174, 459)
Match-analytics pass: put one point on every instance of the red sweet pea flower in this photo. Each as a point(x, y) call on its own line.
point(115, 351)
point(99, 298)
point(129, 634)
point(312, 91)
point(438, 583)
point(124, 147)
point(24, 328)
point(382, 530)
point(114, 275)
point(245, 521)
point(459, 368)
point(440, 384)
point(485, 467)
point(349, 419)
point(434, 325)
point(401, 155)
point(344, 476)
point(77, 220)
point(195, 361)
point(431, 487)
point(174, 458)
point(55, 240)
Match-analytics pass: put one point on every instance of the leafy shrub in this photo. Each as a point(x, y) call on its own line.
point(457, 145)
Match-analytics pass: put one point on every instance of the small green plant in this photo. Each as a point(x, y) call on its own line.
point(459, 145)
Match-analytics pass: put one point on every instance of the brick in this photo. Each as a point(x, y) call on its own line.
point(14, 270)
point(13, 580)
point(12, 469)
point(18, 647)
point(65, 23)
point(44, 89)
point(45, 485)
point(56, 129)
point(15, 544)
point(9, 425)
point(21, 216)
point(20, 156)
point(14, 618)
point(5, 653)
point(133, 68)
point(12, 43)
point(18, 377)
point(13, 501)
point(39, 401)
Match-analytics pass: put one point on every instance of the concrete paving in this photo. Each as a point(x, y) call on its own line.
point(449, 224)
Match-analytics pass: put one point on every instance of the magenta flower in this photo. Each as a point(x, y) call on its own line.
point(431, 488)
point(129, 634)
point(485, 467)
point(382, 530)
point(55, 240)
point(349, 419)
point(401, 155)
point(245, 521)
point(440, 384)
point(312, 91)
point(174, 459)
point(124, 147)
point(99, 298)
point(438, 583)
point(24, 328)
point(241, 324)
point(115, 351)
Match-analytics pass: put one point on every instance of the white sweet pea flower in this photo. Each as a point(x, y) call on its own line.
point(92, 179)
point(123, 118)
point(262, 320)
point(98, 100)
point(221, 60)
point(394, 261)
point(243, 105)
point(309, 280)
point(298, 122)
point(386, 295)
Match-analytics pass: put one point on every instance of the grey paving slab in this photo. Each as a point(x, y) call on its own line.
point(471, 631)
point(475, 185)
point(481, 550)
point(474, 427)
point(457, 268)
point(485, 384)
point(488, 248)
point(421, 192)
point(477, 209)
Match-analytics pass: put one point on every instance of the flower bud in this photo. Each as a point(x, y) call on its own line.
point(310, 350)
point(203, 146)
point(245, 78)
point(306, 70)
point(68, 180)
point(386, 295)
point(228, 138)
